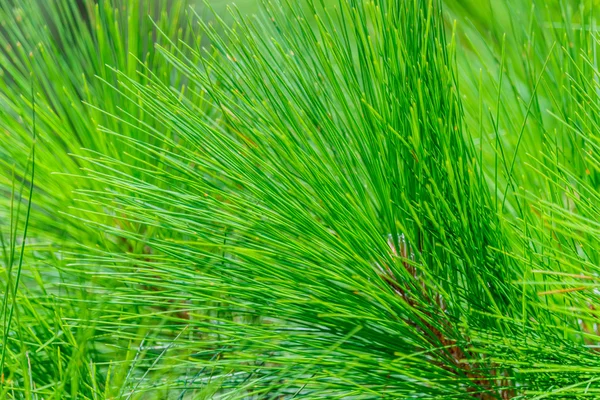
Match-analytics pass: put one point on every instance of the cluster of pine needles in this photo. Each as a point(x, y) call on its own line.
point(316, 199)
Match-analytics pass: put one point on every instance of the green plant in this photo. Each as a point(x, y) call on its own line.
point(333, 199)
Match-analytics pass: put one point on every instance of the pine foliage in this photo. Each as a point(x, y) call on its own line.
point(325, 199)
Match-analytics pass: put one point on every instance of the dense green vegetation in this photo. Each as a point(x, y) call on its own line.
point(314, 199)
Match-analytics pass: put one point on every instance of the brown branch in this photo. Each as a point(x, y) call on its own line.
point(483, 387)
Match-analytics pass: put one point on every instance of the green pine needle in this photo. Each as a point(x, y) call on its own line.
point(314, 199)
